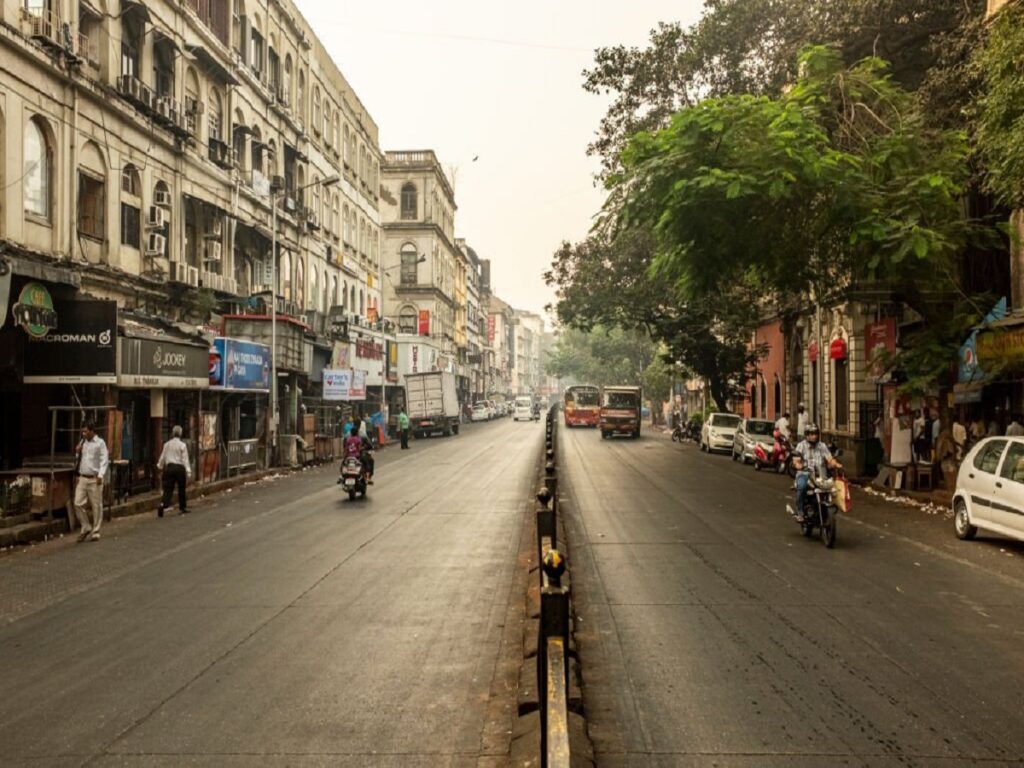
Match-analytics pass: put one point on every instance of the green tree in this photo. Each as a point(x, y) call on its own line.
point(751, 46)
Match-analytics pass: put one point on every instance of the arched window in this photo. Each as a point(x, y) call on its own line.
point(352, 299)
point(216, 118)
point(314, 294)
point(328, 293)
point(362, 303)
point(335, 299)
point(256, 147)
point(409, 264)
point(316, 109)
point(409, 203)
point(753, 399)
point(778, 396)
point(192, 101)
point(37, 170)
point(362, 237)
point(328, 139)
point(238, 133)
point(344, 295)
point(131, 207)
point(285, 276)
point(315, 191)
point(344, 147)
point(407, 319)
point(92, 198)
point(764, 398)
point(337, 216)
point(270, 164)
point(300, 284)
point(346, 235)
point(286, 85)
point(337, 129)
point(300, 102)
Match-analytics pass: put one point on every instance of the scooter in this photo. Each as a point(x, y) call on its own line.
point(820, 511)
point(354, 479)
point(780, 459)
point(678, 433)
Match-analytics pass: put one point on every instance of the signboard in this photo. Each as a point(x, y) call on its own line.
point(358, 391)
point(81, 347)
point(424, 324)
point(414, 358)
point(34, 311)
point(837, 349)
point(369, 350)
point(260, 184)
point(391, 368)
point(1001, 348)
point(812, 352)
point(239, 365)
point(150, 364)
point(341, 355)
point(267, 271)
point(371, 314)
point(337, 384)
point(491, 323)
point(879, 346)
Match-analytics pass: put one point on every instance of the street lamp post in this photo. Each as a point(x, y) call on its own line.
point(275, 194)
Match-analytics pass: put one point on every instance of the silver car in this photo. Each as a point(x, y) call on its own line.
point(749, 433)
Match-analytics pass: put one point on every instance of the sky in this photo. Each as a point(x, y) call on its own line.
point(500, 81)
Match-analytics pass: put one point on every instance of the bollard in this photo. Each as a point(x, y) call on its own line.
point(546, 527)
point(553, 664)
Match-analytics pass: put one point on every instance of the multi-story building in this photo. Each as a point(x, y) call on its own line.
point(147, 147)
point(420, 260)
point(501, 347)
point(526, 370)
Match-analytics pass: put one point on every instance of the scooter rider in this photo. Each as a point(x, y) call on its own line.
point(811, 456)
point(360, 447)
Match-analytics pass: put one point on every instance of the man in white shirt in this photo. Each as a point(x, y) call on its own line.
point(176, 469)
point(1016, 429)
point(783, 425)
point(93, 461)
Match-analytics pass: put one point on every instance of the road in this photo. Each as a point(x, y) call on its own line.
point(712, 633)
point(282, 624)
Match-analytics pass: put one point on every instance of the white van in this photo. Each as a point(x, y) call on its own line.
point(523, 409)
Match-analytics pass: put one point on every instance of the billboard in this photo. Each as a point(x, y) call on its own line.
point(239, 365)
point(80, 348)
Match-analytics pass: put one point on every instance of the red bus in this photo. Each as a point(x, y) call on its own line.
point(582, 406)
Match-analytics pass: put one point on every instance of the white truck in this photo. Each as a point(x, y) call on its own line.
point(432, 403)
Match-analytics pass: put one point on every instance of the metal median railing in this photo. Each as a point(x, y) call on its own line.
point(553, 664)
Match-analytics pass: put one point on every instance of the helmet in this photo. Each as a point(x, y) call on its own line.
point(811, 427)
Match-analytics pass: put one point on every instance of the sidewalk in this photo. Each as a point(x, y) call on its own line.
point(41, 530)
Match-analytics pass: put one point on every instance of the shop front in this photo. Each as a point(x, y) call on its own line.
point(239, 378)
point(161, 381)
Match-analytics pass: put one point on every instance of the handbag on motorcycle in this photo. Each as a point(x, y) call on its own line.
point(842, 495)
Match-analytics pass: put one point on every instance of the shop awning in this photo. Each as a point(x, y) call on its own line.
point(137, 8)
point(154, 356)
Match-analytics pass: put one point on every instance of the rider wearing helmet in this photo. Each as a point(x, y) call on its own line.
point(811, 456)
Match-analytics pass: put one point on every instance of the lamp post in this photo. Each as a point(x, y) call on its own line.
point(275, 194)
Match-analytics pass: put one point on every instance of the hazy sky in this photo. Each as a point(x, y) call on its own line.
point(500, 80)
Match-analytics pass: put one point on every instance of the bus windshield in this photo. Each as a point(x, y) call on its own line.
point(582, 397)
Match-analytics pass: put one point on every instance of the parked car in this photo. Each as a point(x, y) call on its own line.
point(486, 407)
point(749, 433)
point(990, 489)
point(479, 412)
point(523, 409)
point(719, 431)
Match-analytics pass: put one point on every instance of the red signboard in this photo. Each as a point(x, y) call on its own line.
point(879, 337)
point(424, 322)
point(837, 349)
point(369, 350)
point(490, 329)
point(812, 352)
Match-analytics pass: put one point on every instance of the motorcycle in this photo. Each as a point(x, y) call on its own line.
point(691, 432)
point(820, 509)
point(781, 457)
point(354, 479)
point(678, 433)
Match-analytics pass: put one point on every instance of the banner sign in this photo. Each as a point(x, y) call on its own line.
point(392, 364)
point(239, 365)
point(150, 364)
point(424, 324)
point(491, 323)
point(80, 348)
point(358, 391)
point(369, 350)
point(880, 344)
point(337, 384)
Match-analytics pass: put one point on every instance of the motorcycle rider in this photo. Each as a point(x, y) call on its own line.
point(360, 447)
point(811, 456)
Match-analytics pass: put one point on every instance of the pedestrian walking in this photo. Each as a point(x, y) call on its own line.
point(403, 427)
point(176, 469)
point(92, 463)
point(801, 421)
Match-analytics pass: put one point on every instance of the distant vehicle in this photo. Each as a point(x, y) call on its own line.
point(523, 409)
point(749, 434)
point(488, 408)
point(719, 431)
point(480, 412)
point(582, 406)
point(620, 411)
point(433, 403)
point(990, 489)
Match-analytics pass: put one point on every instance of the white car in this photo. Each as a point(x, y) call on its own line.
point(719, 431)
point(479, 413)
point(487, 407)
point(523, 409)
point(990, 489)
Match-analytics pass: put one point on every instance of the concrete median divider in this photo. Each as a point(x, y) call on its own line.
point(551, 731)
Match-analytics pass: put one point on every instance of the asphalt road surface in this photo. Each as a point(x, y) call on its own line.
point(282, 624)
point(712, 633)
